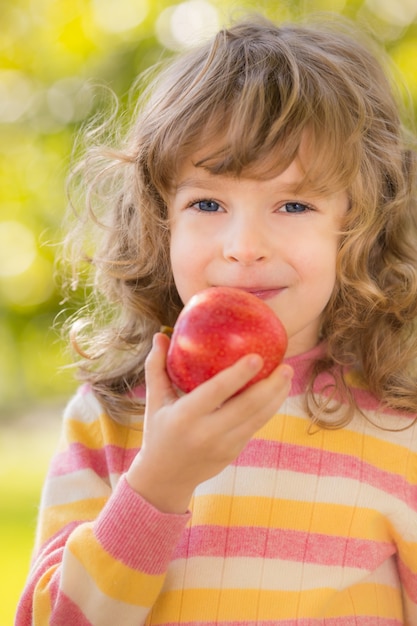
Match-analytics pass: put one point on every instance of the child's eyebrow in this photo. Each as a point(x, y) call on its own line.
point(194, 182)
point(296, 185)
point(293, 187)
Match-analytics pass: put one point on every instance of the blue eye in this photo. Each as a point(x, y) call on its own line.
point(294, 207)
point(207, 205)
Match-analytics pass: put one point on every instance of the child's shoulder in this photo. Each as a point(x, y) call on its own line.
point(339, 384)
point(374, 409)
point(84, 405)
point(87, 421)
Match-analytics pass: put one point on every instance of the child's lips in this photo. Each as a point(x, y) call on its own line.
point(263, 293)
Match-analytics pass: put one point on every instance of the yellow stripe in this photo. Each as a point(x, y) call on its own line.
point(407, 549)
point(356, 379)
point(113, 578)
point(373, 449)
point(103, 431)
point(54, 518)
point(98, 608)
point(369, 448)
point(250, 605)
point(368, 599)
point(42, 608)
point(314, 517)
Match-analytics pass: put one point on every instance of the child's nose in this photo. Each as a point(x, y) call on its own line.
point(245, 243)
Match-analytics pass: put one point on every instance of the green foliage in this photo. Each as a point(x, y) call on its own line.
point(50, 51)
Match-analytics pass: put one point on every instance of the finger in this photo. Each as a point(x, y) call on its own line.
point(253, 408)
point(159, 389)
point(211, 394)
point(246, 413)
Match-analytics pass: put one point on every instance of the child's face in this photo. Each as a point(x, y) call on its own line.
point(261, 236)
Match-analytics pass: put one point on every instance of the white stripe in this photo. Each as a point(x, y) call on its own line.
point(83, 407)
point(76, 486)
point(271, 574)
point(290, 485)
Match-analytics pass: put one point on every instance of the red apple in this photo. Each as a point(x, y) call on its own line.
point(216, 328)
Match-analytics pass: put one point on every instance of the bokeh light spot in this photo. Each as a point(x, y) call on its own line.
point(70, 99)
point(29, 288)
point(16, 94)
point(117, 16)
point(400, 13)
point(17, 248)
point(185, 24)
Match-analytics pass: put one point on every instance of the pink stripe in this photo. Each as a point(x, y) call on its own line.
point(110, 459)
point(67, 612)
point(261, 453)
point(290, 545)
point(325, 384)
point(50, 561)
point(139, 392)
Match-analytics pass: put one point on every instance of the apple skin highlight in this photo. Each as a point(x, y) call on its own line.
point(217, 327)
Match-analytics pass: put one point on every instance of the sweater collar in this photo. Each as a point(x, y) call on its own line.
point(302, 364)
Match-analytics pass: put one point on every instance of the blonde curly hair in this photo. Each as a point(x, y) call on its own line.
point(255, 89)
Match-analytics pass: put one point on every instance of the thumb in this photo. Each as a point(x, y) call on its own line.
point(159, 389)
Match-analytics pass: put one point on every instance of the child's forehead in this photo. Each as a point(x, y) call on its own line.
point(193, 173)
point(300, 173)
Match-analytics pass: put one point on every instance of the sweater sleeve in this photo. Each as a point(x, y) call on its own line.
point(405, 532)
point(102, 551)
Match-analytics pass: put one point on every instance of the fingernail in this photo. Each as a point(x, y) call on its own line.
point(255, 361)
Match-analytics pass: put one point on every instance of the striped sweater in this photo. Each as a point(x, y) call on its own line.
point(308, 527)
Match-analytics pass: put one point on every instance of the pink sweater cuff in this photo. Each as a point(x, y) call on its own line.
point(134, 532)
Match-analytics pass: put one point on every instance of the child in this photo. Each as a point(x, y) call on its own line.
point(271, 159)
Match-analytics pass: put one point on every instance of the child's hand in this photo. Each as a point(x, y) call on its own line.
point(190, 439)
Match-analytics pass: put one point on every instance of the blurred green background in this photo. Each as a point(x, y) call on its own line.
point(52, 54)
